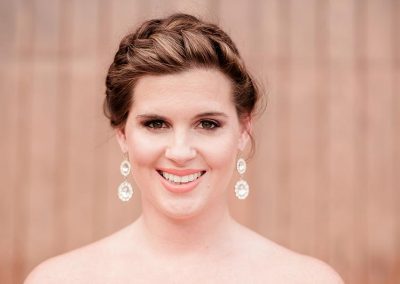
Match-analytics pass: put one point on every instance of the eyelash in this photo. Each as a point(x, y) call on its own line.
point(162, 124)
point(149, 123)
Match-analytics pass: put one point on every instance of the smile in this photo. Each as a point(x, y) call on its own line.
point(180, 179)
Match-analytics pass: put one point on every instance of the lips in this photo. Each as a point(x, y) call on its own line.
point(179, 181)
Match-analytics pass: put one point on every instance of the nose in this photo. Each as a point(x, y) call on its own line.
point(180, 150)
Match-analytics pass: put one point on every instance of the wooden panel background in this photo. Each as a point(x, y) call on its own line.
point(325, 179)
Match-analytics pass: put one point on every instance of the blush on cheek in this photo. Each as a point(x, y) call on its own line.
point(145, 150)
point(219, 153)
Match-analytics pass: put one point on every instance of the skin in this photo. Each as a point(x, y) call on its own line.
point(184, 237)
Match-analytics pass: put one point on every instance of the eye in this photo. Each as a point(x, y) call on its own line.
point(209, 124)
point(155, 124)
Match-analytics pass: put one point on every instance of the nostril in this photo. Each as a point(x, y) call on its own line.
point(180, 153)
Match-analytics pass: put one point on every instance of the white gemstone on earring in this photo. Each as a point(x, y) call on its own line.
point(125, 168)
point(241, 166)
point(125, 191)
point(242, 189)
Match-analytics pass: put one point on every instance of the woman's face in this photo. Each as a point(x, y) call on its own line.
point(183, 135)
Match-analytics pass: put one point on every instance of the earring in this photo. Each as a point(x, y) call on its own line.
point(125, 190)
point(241, 187)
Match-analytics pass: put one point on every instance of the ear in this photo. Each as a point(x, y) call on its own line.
point(121, 138)
point(245, 133)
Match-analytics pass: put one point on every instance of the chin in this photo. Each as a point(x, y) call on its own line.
point(183, 209)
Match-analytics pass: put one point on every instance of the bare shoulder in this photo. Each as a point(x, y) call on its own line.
point(278, 264)
point(313, 270)
point(59, 269)
point(70, 267)
point(81, 265)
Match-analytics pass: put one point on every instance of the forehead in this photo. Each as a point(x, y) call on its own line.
point(194, 89)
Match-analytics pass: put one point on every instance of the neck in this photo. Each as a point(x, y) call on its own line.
point(185, 237)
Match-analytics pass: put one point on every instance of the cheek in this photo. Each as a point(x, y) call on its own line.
point(216, 152)
point(219, 152)
point(144, 150)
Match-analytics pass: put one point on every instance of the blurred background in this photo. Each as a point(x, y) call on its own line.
point(324, 181)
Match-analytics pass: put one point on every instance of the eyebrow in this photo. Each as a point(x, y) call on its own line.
point(203, 114)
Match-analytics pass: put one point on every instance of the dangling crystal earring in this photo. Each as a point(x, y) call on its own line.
point(241, 187)
point(125, 190)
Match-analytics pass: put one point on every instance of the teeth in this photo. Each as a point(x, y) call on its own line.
point(181, 179)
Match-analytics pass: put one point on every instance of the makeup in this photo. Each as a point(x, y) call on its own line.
point(180, 181)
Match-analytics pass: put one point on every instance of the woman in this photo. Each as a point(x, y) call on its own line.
point(181, 102)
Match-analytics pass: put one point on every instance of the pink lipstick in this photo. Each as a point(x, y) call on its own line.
point(180, 181)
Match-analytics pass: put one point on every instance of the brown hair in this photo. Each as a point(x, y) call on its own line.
point(171, 45)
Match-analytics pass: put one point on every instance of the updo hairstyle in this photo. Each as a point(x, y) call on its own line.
point(168, 46)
